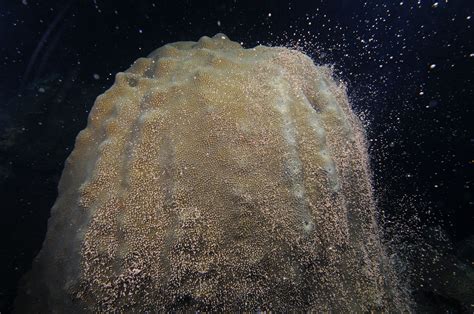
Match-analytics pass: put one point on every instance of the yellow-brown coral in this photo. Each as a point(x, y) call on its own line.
point(212, 177)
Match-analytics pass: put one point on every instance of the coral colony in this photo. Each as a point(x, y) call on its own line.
point(213, 177)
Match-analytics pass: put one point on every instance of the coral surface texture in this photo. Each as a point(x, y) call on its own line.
point(213, 177)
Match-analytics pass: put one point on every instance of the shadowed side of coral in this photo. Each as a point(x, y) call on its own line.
point(213, 177)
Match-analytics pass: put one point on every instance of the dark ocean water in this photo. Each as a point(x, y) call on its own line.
point(408, 66)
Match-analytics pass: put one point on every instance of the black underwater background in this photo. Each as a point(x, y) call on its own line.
point(408, 65)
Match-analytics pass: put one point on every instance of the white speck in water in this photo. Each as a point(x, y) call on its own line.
point(468, 17)
point(471, 55)
point(96, 76)
point(435, 5)
point(24, 2)
point(433, 66)
point(218, 23)
point(422, 93)
point(269, 15)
